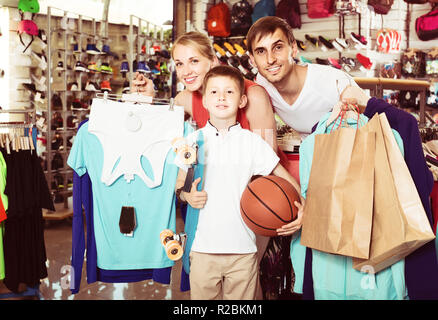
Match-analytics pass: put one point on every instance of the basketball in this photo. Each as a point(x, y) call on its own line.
point(267, 203)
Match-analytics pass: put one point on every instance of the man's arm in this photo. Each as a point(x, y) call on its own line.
point(261, 116)
point(295, 225)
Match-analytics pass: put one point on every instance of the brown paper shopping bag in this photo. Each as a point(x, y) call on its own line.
point(400, 225)
point(338, 212)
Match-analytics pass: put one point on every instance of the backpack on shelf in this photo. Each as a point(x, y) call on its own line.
point(426, 26)
point(289, 10)
point(263, 8)
point(219, 20)
point(320, 8)
point(241, 18)
point(381, 6)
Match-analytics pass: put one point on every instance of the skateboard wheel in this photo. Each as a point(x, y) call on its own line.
point(178, 143)
point(166, 235)
point(174, 250)
point(187, 154)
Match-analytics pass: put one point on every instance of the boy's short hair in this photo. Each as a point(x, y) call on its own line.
point(225, 71)
point(266, 26)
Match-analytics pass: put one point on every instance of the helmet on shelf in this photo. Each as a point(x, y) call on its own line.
point(29, 6)
point(29, 27)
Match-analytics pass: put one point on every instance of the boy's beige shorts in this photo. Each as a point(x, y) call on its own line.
point(223, 276)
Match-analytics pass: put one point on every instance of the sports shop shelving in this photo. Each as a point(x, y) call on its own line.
point(78, 29)
point(144, 33)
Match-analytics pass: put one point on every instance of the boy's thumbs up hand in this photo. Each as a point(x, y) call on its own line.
point(195, 185)
point(195, 198)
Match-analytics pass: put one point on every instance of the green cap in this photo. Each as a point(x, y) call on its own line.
point(29, 6)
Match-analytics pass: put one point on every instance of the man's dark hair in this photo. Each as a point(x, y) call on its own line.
point(266, 26)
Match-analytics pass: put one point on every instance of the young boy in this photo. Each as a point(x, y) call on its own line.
point(223, 262)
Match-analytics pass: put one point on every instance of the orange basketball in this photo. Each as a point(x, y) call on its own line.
point(267, 203)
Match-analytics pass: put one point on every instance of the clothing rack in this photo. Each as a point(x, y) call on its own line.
point(428, 133)
point(135, 98)
point(26, 124)
point(377, 85)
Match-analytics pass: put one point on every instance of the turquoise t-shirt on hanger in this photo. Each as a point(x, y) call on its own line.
point(154, 208)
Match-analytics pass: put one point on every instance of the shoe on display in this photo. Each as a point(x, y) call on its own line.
point(91, 86)
point(105, 85)
point(359, 39)
point(322, 61)
point(56, 102)
point(40, 98)
point(72, 122)
point(163, 68)
point(91, 49)
point(126, 87)
point(345, 65)
point(60, 66)
point(105, 68)
point(58, 163)
point(57, 121)
point(76, 49)
point(92, 67)
point(305, 60)
point(342, 42)
point(31, 87)
point(43, 39)
point(42, 61)
point(73, 86)
point(325, 42)
point(70, 141)
point(80, 66)
point(334, 62)
point(124, 67)
point(106, 49)
point(165, 54)
point(142, 67)
point(337, 46)
point(76, 105)
point(312, 40)
point(56, 142)
point(40, 83)
point(301, 45)
point(364, 61)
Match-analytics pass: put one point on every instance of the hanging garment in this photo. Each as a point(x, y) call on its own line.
point(83, 198)
point(131, 132)
point(332, 275)
point(4, 204)
point(2, 258)
point(421, 265)
point(24, 247)
point(154, 208)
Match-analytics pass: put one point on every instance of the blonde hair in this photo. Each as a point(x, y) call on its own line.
point(197, 40)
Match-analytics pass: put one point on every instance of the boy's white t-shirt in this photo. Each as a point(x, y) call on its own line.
point(231, 159)
point(321, 91)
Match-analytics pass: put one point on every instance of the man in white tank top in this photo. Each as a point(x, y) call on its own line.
point(300, 94)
